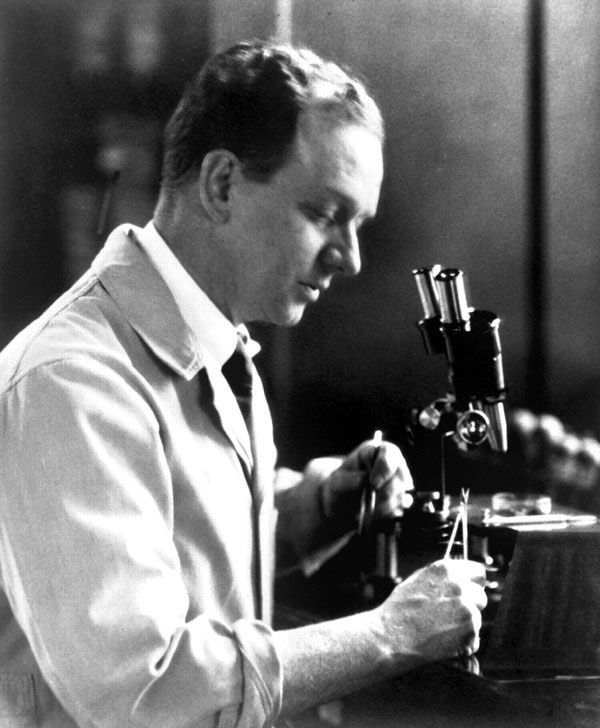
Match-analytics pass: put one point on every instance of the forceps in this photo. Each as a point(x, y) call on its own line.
point(461, 517)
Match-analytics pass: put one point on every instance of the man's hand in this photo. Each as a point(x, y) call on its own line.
point(435, 613)
point(383, 467)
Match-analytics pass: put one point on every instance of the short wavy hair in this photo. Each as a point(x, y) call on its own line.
point(248, 99)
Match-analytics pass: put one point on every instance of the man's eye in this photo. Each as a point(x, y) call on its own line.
point(320, 216)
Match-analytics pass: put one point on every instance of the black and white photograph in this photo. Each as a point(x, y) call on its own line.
point(299, 370)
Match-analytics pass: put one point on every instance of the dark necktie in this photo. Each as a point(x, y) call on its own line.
point(237, 370)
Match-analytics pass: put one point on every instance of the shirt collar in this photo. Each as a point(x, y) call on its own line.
point(209, 326)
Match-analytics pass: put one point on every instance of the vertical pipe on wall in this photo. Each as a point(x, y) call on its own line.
point(283, 20)
point(4, 173)
point(281, 343)
point(537, 375)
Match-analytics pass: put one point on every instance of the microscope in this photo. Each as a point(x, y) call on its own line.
point(542, 563)
point(470, 414)
point(472, 411)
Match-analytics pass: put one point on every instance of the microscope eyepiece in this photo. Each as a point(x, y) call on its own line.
point(453, 298)
point(470, 340)
point(428, 292)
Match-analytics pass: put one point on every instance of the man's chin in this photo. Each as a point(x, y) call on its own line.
point(290, 316)
point(289, 322)
point(283, 317)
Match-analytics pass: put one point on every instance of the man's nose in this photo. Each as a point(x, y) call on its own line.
point(343, 252)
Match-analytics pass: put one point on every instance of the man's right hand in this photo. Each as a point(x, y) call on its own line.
point(435, 613)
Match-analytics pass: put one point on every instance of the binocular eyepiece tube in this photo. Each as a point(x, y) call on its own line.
point(470, 340)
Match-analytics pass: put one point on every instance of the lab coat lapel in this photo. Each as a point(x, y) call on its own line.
point(256, 454)
point(231, 419)
point(262, 496)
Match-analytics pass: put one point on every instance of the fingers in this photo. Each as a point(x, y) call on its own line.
point(476, 594)
point(467, 642)
point(438, 609)
point(394, 498)
point(389, 475)
point(470, 643)
point(380, 465)
point(382, 462)
point(385, 463)
point(340, 494)
point(466, 584)
point(468, 593)
point(464, 581)
point(459, 570)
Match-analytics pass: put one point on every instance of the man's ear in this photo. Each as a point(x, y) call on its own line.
point(214, 183)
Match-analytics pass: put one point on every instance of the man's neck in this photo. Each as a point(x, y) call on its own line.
point(195, 242)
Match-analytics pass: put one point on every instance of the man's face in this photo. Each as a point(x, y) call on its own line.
point(292, 234)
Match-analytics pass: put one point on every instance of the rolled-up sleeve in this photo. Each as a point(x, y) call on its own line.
point(91, 569)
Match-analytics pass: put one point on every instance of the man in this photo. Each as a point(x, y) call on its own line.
point(136, 505)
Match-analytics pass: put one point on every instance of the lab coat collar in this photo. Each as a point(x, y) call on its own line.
point(126, 272)
point(142, 295)
point(176, 336)
point(216, 333)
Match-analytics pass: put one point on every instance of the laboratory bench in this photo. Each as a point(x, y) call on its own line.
point(539, 661)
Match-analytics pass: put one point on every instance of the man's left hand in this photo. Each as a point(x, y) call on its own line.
point(381, 467)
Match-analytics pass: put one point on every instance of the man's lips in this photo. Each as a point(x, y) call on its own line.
point(313, 290)
point(319, 286)
point(310, 291)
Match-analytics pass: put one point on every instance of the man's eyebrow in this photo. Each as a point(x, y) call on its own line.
point(350, 204)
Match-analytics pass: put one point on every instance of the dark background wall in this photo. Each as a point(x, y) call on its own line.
point(573, 182)
point(450, 79)
point(85, 88)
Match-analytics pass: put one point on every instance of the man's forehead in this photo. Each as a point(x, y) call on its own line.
point(322, 140)
point(340, 159)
